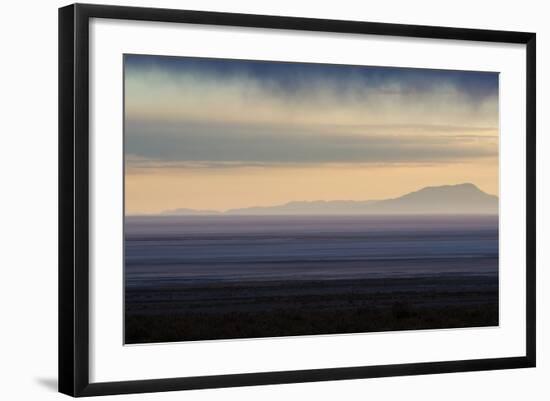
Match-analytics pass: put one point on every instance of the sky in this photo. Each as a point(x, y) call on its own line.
point(219, 134)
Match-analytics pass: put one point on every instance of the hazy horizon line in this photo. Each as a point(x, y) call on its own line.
point(217, 212)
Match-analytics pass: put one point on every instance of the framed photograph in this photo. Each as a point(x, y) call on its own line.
point(250, 199)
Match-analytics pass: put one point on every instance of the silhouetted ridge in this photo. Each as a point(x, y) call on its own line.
point(446, 199)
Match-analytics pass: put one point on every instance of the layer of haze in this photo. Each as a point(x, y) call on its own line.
point(220, 134)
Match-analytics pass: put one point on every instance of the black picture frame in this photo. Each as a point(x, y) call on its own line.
point(74, 202)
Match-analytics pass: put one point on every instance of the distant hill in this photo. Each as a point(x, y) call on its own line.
point(446, 199)
point(311, 208)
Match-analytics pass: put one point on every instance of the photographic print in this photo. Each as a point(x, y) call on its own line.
point(267, 199)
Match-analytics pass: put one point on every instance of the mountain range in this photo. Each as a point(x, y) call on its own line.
point(447, 199)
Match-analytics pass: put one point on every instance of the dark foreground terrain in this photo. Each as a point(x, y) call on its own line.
point(226, 310)
point(221, 277)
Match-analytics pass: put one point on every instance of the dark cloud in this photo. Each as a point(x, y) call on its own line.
point(234, 144)
point(292, 79)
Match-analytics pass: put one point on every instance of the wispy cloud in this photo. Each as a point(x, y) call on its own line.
point(224, 91)
point(216, 111)
point(232, 145)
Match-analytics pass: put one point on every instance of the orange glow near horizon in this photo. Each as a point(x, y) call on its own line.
point(165, 189)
